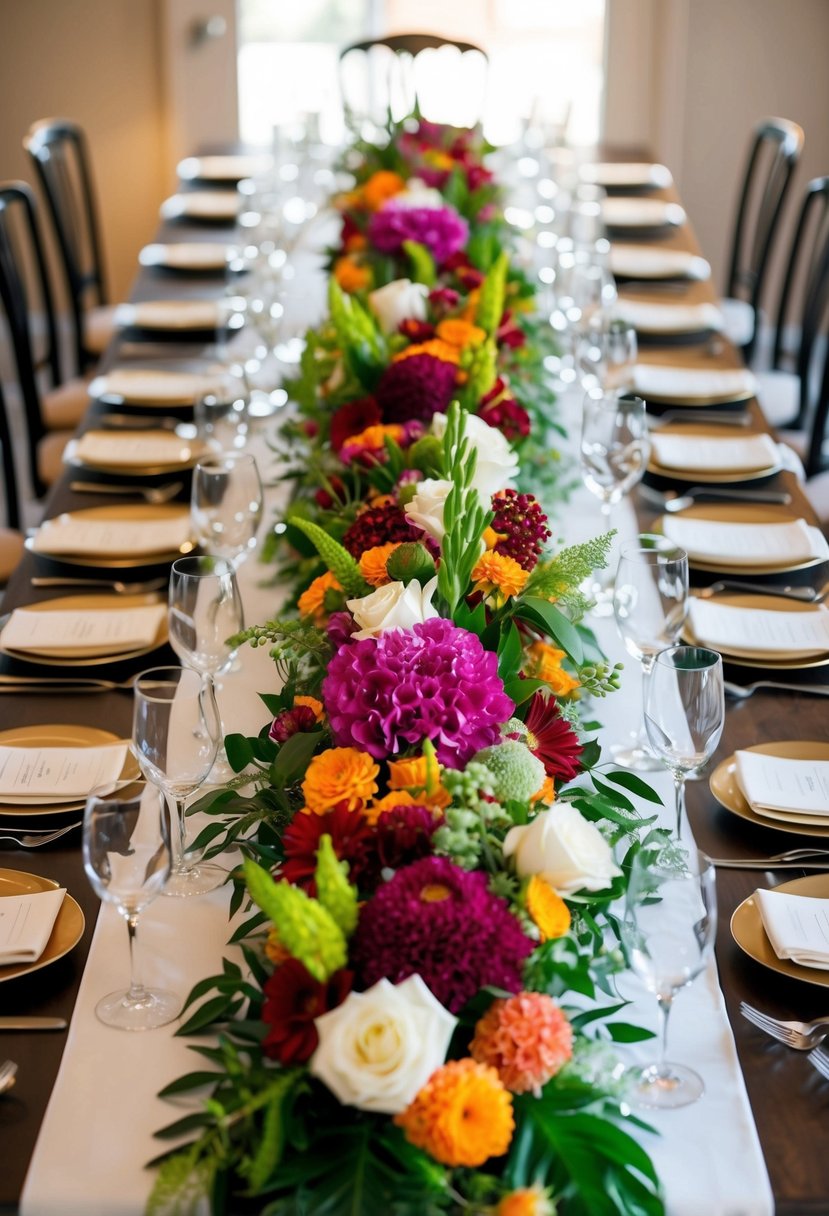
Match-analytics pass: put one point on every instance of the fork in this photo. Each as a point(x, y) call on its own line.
point(113, 584)
point(797, 858)
point(7, 1072)
point(151, 494)
point(46, 684)
point(802, 1036)
point(741, 692)
point(820, 1060)
point(806, 595)
point(33, 840)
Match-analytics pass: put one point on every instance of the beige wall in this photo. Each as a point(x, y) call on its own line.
point(98, 62)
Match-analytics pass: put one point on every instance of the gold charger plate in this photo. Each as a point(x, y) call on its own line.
point(693, 403)
point(191, 454)
point(777, 659)
point(63, 735)
point(78, 603)
point(724, 787)
point(66, 932)
point(153, 386)
point(707, 476)
point(131, 512)
point(741, 513)
point(749, 934)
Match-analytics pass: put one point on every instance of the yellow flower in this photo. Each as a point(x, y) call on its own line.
point(373, 564)
point(340, 776)
point(461, 1116)
point(395, 798)
point(373, 436)
point(497, 574)
point(547, 792)
point(547, 909)
point(435, 347)
point(528, 1201)
point(350, 275)
point(459, 332)
point(420, 775)
point(312, 600)
point(313, 704)
point(545, 664)
point(380, 187)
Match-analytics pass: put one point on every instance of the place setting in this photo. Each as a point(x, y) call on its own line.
point(696, 452)
point(626, 175)
point(40, 922)
point(745, 539)
point(189, 257)
point(782, 786)
point(645, 216)
point(172, 319)
point(655, 321)
point(142, 452)
point(158, 388)
point(81, 631)
point(786, 929)
point(117, 536)
point(693, 387)
point(223, 169)
point(202, 206)
point(772, 632)
point(673, 268)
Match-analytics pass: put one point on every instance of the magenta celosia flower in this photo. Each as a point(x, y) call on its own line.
point(434, 681)
point(416, 388)
point(440, 922)
point(440, 229)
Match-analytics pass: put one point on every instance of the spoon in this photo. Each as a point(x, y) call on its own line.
point(672, 503)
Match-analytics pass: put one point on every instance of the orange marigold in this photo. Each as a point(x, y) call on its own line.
point(380, 187)
point(461, 1116)
point(545, 664)
point(526, 1039)
point(528, 1201)
point(458, 332)
point(435, 347)
point(420, 775)
point(350, 275)
point(313, 704)
point(547, 792)
point(373, 437)
point(497, 574)
point(312, 600)
point(547, 909)
point(373, 564)
point(340, 776)
point(395, 798)
point(274, 950)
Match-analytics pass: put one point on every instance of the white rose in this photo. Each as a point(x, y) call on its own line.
point(395, 606)
point(397, 302)
point(425, 510)
point(567, 850)
point(379, 1048)
point(418, 194)
point(496, 464)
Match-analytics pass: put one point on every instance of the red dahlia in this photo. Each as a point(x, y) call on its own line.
point(293, 998)
point(551, 739)
point(352, 418)
point(523, 526)
point(352, 840)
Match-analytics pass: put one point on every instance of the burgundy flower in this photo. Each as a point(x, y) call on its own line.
point(509, 334)
point(404, 834)
point(352, 418)
point(300, 719)
point(351, 839)
point(293, 998)
point(379, 526)
point(340, 627)
point(551, 739)
point(416, 331)
point(443, 299)
point(416, 388)
point(327, 499)
point(477, 176)
point(522, 525)
point(500, 410)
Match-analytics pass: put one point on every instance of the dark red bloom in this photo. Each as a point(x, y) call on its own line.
point(352, 418)
point(379, 526)
point(416, 388)
point(522, 525)
point(351, 838)
point(291, 722)
point(293, 998)
point(443, 299)
point(416, 331)
point(504, 412)
point(551, 739)
point(327, 500)
point(477, 176)
point(510, 334)
point(404, 834)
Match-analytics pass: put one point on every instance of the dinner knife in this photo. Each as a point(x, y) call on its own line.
point(32, 1023)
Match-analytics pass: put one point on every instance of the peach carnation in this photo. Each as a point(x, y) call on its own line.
point(340, 776)
point(525, 1038)
point(461, 1116)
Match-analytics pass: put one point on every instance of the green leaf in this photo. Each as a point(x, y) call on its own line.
point(613, 796)
point(192, 1080)
point(219, 1009)
point(520, 690)
point(421, 262)
point(293, 756)
point(626, 1032)
point(239, 752)
point(636, 786)
point(509, 652)
point(554, 623)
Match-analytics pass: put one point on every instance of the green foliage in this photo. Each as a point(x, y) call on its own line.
point(481, 374)
point(180, 1184)
point(305, 928)
point(338, 560)
point(334, 891)
point(361, 341)
point(421, 262)
point(558, 578)
point(464, 519)
point(491, 299)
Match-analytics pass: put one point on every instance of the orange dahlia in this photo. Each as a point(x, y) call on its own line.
point(525, 1038)
point(350, 275)
point(461, 1116)
point(438, 349)
point(420, 775)
point(340, 776)
point(498, 575)
point(387, 803)
point(380, 187)
point(545, 664)
point(458, 332)
point(547, 909)
point(312, 600)
point(528, 1201)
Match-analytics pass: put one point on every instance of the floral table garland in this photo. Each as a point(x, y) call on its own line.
point(431, 855)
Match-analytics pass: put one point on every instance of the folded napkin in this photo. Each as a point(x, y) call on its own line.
point(669, 318)
point(141, 386)
point(707, 453)
point(141, 449)
point(740, 544)
point(172, 314)
point(83, 631)
point(26, 923)
point(78, 535)
point(640, 213)
point(626, 173)
point(691, 383)
point(777, 783)
point(797, 927)
point(202, 205)
point(189, 255)
point(759, 630)
point(644, 262)
point(28, 774)
point(225, 167)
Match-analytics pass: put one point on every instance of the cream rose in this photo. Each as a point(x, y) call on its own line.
point(418, 194)
point(567, 850)
point(397, 302)
point(379, 1048)
point(395, 606)
point(496, 464)
point(425, 510)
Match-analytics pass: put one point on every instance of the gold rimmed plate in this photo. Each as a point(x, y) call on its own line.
point(725, 788)
point(58, 735)
point(741, 513)
point(749, 934)
point(711, 476)
point(133, 512)
point(76, 658)
point(775, 659)
point(67, 930)
point(154, 386)
point(183, 454)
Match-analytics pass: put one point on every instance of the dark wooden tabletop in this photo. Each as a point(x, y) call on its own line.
point(788, 1098)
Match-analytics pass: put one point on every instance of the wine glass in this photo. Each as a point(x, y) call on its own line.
point(175, 737)
point(581, 287)
point(607, 354)
point(615, 450)
point(650, 603)
point(222, 417)
point(126, 855)
point(684, 711)
point(668, 932)
point(226, 505)
point(205, 611)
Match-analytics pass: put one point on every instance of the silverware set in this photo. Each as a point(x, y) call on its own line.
point(64, 684)
point(150, 494)
point(714, 417)
point(792, 859)
point(671, 501)
point(800, 1036)
point(111, 584)
point(35, 837)
point(741, 692)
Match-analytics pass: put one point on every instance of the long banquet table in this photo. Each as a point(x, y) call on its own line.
point(96, 1133)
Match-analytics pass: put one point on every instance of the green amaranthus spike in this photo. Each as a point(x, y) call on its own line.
point(338, 560)
point(334, 891)
point(421, 262)
point(481, 375)
point(306, 930)
point(493, 291)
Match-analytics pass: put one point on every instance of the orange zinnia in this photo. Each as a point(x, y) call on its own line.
point(420, 775)
point(340, 776)
point(461, 1116)
point(435, 347)
point(312, 600)
point(545, 664)
point(373, 564)
point(528, 1201)
point(495, 573)
point(547, 909)
point(458, 332)
point(351, 276)
point(387, 803)
point(313, 704)
point(380, 187)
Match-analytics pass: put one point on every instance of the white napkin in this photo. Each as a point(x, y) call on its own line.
point(640, 213)
point(777, 783)
point(202, 205)
point(669, 318)
point(73, 533)
point(746, 544)
point(26, 923)
point(171, 314)
point(224, 167)
point(187, 255)
point(797, 927)
point(759, 630)
point(132, 448)
point(83, 631)
point(652, 379)
point(693, 453)
point(31, 773)
point(626, 173)
point(150, 386)
point(644, 262)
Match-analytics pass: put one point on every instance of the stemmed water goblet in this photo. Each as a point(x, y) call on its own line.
point(684, 712)
point(668, 932)
point(126, 855)
point(650, 603)
point(222, 416)
point(175, 738)
point(607, 354)
point(226, 505)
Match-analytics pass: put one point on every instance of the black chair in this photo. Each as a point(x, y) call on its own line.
point(389, 78)
point(775, 151)
point(11, 541)
point(815, 443)
point(51, 415)
point(59, 153)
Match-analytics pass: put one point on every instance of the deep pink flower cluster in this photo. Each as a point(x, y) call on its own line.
point(416, 388)
point(440, 229)
point(434, 681)
point(379, 526)
point(521, 523)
